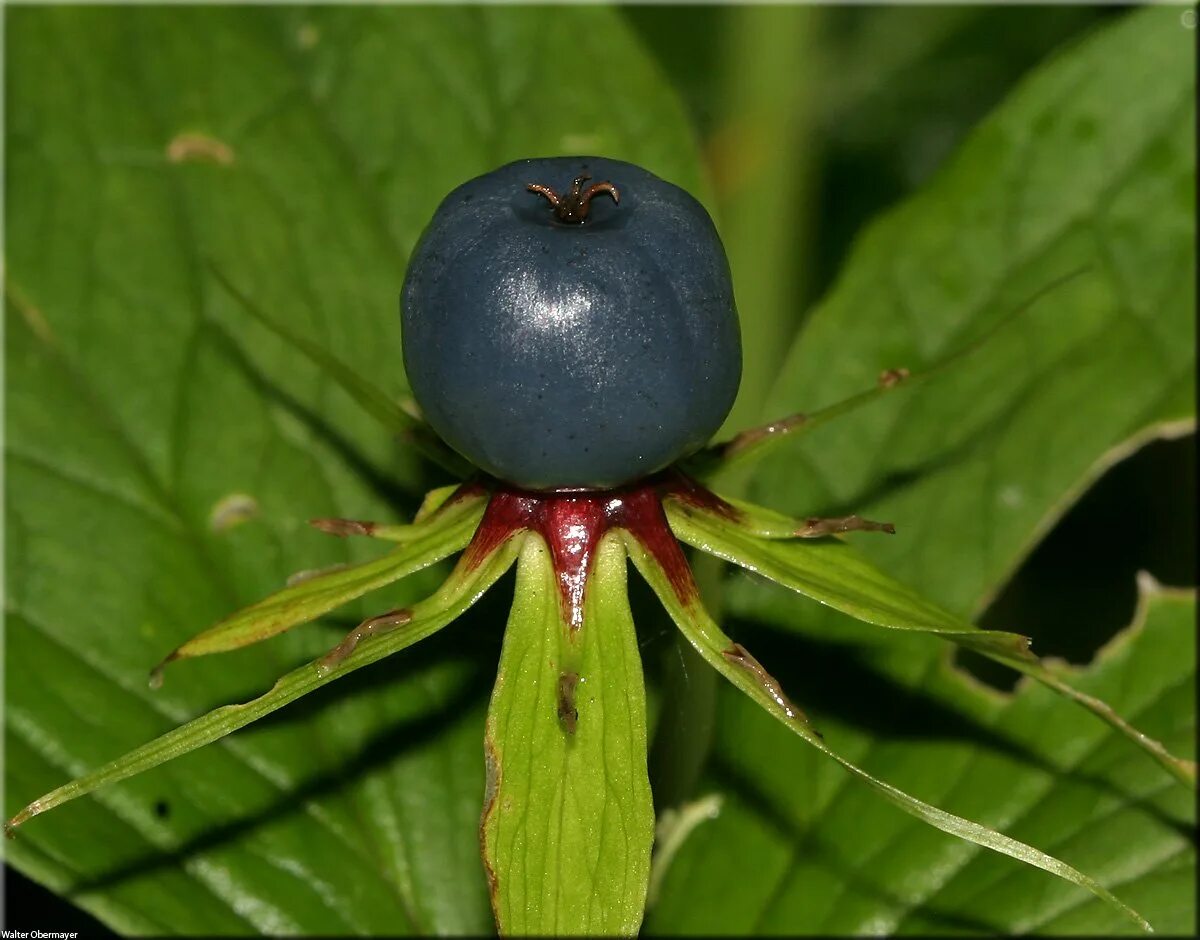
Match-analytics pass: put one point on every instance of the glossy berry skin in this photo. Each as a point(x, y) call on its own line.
point(571, 355)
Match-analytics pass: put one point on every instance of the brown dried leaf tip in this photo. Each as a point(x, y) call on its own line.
point(740, 656)
point(815, 527)
point(384, 623)
point(343, 527)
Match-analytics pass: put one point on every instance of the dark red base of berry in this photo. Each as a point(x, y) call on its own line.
point(572, 524)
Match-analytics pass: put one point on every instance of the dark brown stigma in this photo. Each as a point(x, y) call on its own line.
point(573, 207)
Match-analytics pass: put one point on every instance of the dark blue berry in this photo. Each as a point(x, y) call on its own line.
point(569, 323)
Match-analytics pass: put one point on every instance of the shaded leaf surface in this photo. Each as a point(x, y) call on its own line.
point(1043, 773)
point(318, 143)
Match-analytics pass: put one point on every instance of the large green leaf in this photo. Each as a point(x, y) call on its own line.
point(301, 151)
point(569, 820)
point(1090, 163)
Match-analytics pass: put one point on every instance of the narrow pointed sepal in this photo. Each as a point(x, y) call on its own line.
point(466, 584)
point(1180, 768)
point(439, 535)
point(568, 819)
point(765, 523)
point(735, 663)
point(434, 500)
point(833, 573)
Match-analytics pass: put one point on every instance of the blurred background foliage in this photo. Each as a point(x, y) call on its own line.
point(810, 122)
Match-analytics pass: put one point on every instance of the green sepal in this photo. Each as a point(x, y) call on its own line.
point(434, 500)
point(438, 535)
point(743, 671)
point(832, 572)
point(568, 818)
point(1180, 768)
point(466, 584)
point(400, 532)
point(764, 523)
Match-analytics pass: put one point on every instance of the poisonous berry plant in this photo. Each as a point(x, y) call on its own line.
point(571, 346)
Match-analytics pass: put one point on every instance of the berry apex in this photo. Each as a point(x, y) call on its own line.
point(573, 207)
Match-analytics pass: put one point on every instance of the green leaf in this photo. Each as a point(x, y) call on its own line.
point(301, 150)
point(737, 665)
point(435, 537)
point(568, 820)
point(834, 574)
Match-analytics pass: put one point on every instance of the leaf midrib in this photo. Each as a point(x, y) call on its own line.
point(1017, 262)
